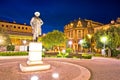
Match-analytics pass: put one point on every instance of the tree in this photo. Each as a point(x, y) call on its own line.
point(4, 38)
point(113, 35)
point(54, 38)
point(85, 44)
point(97, 38)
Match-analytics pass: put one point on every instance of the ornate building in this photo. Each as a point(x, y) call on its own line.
point(77, 30)
point(105, 27)
point(17, 32)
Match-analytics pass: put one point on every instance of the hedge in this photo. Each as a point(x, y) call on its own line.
point(13, 53)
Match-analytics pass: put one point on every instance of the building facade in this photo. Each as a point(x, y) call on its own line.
point(81, 28)
point(17, 32)
point(78, 30)
point(106, 26)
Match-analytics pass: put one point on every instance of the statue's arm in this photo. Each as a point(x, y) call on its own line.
point(41, 22)
point(31, 22)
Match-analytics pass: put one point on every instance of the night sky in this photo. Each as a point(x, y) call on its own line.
point(57, 13)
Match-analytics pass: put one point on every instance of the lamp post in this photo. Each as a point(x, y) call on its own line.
point(80, 42)
point(70, 43)
point(90, 36)
point(103, 40)
point(24, 42)
point(1, 40)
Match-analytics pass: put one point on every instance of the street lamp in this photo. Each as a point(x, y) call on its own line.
point(70, 43)
point(103, 40)
point(24, 42)
point(80, 42)
point(90, 36)
point(1, 40)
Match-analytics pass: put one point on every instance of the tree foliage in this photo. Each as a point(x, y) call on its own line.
point(97, 38)
point(10, 48)
point(54, 38)
point(4, 38)
point(113, 35)
point(85, 44)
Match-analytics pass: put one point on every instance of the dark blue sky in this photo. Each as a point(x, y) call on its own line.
point(57, 13)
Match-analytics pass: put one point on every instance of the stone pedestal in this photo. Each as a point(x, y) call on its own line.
point(35, 53)
point(34, 62)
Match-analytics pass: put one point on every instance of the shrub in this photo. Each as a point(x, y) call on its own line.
point(115, 52)
point(70, 56)
point(43, 54)
point(62, 54)
point(10, 48)
point(13, 53)
point(51, 54)
point(98, 55)
point(68, 50)
point(86, 56)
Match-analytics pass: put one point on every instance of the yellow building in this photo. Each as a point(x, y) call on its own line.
point(105, 27)
point(78, 30)
point(17, 32)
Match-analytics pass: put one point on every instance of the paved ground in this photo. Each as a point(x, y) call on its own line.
point(100, 68)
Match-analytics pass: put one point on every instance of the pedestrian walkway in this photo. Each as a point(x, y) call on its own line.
point(101, 68)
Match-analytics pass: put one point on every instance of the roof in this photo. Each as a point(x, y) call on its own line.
point(85, 23)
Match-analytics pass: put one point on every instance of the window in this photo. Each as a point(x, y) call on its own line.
point(10, 25)
point(26, 28)
point(79, 34)
point(71, 34)
point(2, 25)
point(7, 26)
point(14, 26)
point(18, 27)
point(22, 27)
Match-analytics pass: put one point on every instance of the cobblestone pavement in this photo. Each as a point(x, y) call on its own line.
point(100, 68)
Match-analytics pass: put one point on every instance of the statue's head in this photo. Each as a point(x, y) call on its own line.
point(37, 14)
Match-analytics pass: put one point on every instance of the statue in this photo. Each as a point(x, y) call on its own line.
point(35, 62)
point(36, 24)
